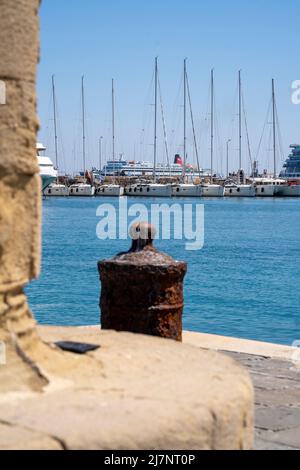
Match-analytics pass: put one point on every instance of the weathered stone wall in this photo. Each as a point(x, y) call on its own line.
point(19, 182)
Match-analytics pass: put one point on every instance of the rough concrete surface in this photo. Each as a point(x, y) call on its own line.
point(135, 392)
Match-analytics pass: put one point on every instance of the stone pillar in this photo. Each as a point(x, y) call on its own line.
point(20, 188)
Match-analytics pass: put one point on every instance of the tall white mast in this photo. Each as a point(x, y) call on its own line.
point(113, 123)
point(100, 153)
point(193, 124)
point(212, 119)
point(83, 125)
point(274, 126)
point(155, 120)
point(184, 118)
point(164, 127)
point(240, 121)
point(55, 121)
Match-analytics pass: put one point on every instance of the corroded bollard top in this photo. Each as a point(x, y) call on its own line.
point(142, 235)
point(142, 289)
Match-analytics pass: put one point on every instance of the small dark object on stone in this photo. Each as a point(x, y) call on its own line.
point(77, 348)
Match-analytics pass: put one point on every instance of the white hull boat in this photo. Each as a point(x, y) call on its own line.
point(82, 190)
point(212, 190)
point(240, 190)
point(113, 190)
point(269, 187)
point(186, 190)
point(264, 190)
point(288, 190)
point(149, 190)
point(56, 190)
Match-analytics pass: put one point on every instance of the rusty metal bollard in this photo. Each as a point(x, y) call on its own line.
point(142, 289)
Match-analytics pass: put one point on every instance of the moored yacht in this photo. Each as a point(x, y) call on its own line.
point(292, 190)
point(264, 187)
point(288, 188)
point(186, 190)
point(82, 189)
point(114, 189)
point(110, 190)
point(269, 186)
point(47, 171)
point(149, 190)
point(288, 183)
point(153, 189)
point(212, 190)
point(239, 190)
point(56, 189)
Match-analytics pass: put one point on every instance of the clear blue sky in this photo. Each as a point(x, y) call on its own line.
point(120, 38)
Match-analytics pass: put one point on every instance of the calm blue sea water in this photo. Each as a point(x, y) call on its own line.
point(244, 282)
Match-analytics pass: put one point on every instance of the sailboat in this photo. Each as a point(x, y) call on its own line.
point(211, 189)
point(55, 188)
point(184, 189)
point(240, 188)
point(267, 186)
point(274, 186)
point(82, 189)
point(152, 189)
point(111, 189)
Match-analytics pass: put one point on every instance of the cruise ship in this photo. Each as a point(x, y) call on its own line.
point(291, 173)
point(146, 169)
point(291, 167)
